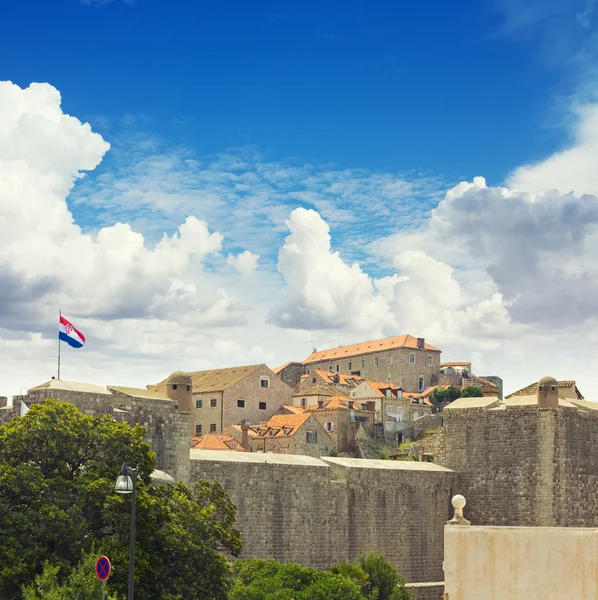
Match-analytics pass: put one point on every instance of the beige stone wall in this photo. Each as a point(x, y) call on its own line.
point(391, 363)
point(167, 428)
point(335, 509)
point(226, 411)
point(291, 374)
point(520, 563)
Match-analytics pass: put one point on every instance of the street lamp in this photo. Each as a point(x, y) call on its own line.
point(126, 484)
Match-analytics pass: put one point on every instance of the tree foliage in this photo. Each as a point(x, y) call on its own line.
point(471, 391)
point(269, 580)
point(383, 580)
point(57, 472)
point(446, 395)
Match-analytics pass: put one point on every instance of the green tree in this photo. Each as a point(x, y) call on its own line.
point(443, 396)
point(269, 580)
point(57, 472)
point(383, 580)
point(351, 571)
point(471, 391)
point(80, 584)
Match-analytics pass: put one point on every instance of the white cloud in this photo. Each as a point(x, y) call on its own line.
point(245, 262)
point(45, 259)
point(574, 169)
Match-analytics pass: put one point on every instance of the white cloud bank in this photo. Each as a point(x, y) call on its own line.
point(47, 262)
point(506, 277)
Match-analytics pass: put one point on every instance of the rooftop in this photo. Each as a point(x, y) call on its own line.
point(455, 364)
point(255, 457)
point(532, 389)
point(72, 386)
point(318, 390)
point(400, 341)
point(214, 380)
point(139, 392)
point(216, 441)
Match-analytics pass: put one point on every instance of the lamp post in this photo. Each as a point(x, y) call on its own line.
point(126, 484)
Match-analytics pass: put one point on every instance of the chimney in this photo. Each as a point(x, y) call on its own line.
point(420, 343)
point(315, 350)
point(244, 433)
point(320, 403)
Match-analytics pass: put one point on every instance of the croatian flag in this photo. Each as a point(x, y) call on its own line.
point(67, 333)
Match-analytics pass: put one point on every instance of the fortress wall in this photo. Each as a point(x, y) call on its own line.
point(167, 429)
point(496, 453)
point(576, 493)
point(318, 512)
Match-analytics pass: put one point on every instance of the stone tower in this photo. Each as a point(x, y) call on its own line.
point(179, 388)
point(548, 393)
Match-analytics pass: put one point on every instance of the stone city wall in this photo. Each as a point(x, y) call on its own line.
point(318, 512)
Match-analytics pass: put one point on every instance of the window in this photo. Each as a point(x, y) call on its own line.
point(264, 382)
point(390, 359)
point(330, 369)
point(174, 386)
point(213, 402)
point(199, 404)
point(240, 403)
point(429, 361)
point(388, 378)
point(213, 428)
point(198, 430)
point(338, 368)
point(412, 358)
point(363, 364)
point(376, 361)
point(303, 402)
point(329, 426)
point(188, 388)
point(311, 437)
point(308, 371)
point(350, 366)
point(262, 406)
point(389, 393)
point(420, 383)
point(313, 379)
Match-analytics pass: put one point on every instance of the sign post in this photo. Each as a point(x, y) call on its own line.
point(103, 569)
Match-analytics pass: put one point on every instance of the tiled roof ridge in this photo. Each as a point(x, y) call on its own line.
point(399, 341)
point(532, 388)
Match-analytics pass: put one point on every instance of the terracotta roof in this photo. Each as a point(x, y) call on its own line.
point(277, 370)
point(216, 441)
point(215, 380)
point(297, 410)
point(317, 390)
point(400, 341)
point(532, 389)
point(378, 386)
point(280, 426)
point(74, 386)
point(343, 378)
point(455, 364)
point(237, 428)
point(415, 396)
point(335, 403)
point(139, 392)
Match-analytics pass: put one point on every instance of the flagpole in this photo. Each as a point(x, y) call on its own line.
point(59, 317)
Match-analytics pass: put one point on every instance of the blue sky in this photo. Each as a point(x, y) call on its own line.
point(378, 85)
point(261, 178)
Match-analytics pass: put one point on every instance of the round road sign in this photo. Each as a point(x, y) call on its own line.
point(103, 568)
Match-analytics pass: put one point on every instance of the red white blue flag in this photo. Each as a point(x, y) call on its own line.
point(69, 334)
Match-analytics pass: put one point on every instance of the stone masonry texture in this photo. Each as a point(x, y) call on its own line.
point(320, 515)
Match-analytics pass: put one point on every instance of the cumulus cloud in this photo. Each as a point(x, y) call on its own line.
point(48, 262)
point(574, 169)
point(245, 262)
point(322, 291)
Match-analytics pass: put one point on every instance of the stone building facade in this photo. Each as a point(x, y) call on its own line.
point(290, 373)
point(222, 397)
point(408, 362)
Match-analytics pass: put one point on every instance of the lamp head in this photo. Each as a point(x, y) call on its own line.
point(124, 482)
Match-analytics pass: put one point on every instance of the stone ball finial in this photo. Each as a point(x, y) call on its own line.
point(459, 502)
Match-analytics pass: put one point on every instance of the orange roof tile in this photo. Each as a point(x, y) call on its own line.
point(343, 378)
point(400, 341)
point(335, 403)
point(317, 390)
point(378, 386)
point(216, 441)
point(297, 410)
